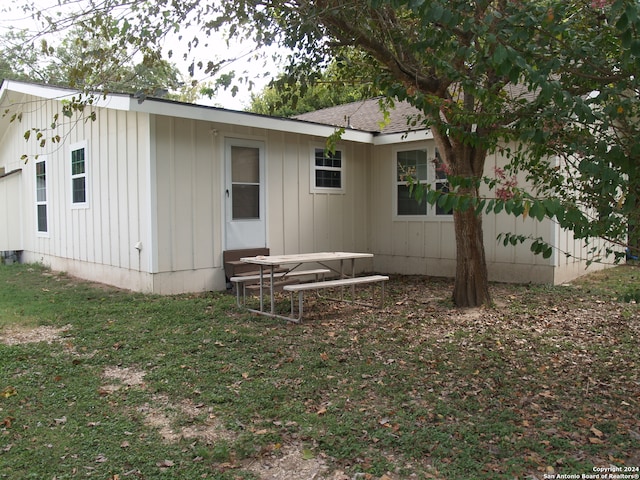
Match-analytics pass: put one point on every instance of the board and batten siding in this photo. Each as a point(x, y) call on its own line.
point(426, 246)
point(302, 219)
point(190, 219)
point(11, 217)
point(154, 220)
point(95, 241)
point(188, 205)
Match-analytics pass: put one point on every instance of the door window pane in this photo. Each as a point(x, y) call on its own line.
point(245, 182)
point(245, 167)
point(246, 202)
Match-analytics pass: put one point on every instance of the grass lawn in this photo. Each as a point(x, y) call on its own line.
point(106, 384)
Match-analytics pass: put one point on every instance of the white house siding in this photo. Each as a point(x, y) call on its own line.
point(190, 215)
point(515, 263)
point(155, 218)
point(571, 256)
point(95, 242)
point(11, 212)
point(427, 246)
point(575, 265)
point(11, 185)
point(303, 220)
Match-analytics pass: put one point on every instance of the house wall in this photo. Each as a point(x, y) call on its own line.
point(426, 246)
point(97, 241)
point(303, 220)
point(188, 217)
point(154, 220)
point(11, 212)
point(572, 256)
point(569, 267)
point(190, 203)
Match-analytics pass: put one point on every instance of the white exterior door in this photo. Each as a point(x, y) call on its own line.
point(244, 194)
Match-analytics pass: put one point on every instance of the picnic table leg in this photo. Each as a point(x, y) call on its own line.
point(342, 276)
point(300, 304)
point(291, 298)
point(353, 274)
point(272, 299)
point(243, 286)
point(261, 288)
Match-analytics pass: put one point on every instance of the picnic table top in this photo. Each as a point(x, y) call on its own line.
point(304, 258)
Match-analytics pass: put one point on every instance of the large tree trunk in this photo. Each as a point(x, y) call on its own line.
point(471, 287)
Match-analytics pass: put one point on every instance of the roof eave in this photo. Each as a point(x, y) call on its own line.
point(402, 137)
point(245, 119)
point(126, 102)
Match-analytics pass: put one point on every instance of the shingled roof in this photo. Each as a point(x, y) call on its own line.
point(364, 115)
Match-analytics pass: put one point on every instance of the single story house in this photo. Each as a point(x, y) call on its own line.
point(147, 195)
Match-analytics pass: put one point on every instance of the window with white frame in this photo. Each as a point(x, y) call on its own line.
point(327, 170)
point(415, 167)
point(79, 175)
point(41, 197)
point(411, 166)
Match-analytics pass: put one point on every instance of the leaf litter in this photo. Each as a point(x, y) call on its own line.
point(559, 365)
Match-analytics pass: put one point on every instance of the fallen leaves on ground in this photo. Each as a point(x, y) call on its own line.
point(561, 370)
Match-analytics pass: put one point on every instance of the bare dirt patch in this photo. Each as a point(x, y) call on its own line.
point(16, 335)
point(204, 426)
point(162, 414)
point(125, 375)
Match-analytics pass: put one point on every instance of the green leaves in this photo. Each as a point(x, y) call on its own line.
point(333, 140)
point(538, 245)
point(346, 79)
point(500, 54)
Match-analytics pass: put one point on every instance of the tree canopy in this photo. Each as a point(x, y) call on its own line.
point(591, 125)
point(557, 77)
point(85, 62)
point(343, 81)
point(15, 61)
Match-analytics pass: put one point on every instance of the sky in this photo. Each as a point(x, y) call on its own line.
point(246, 63)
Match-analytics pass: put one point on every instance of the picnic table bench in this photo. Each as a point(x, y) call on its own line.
point(281, 279)
point(340, 282)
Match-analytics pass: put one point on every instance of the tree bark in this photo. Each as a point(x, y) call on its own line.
point(471, 288)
